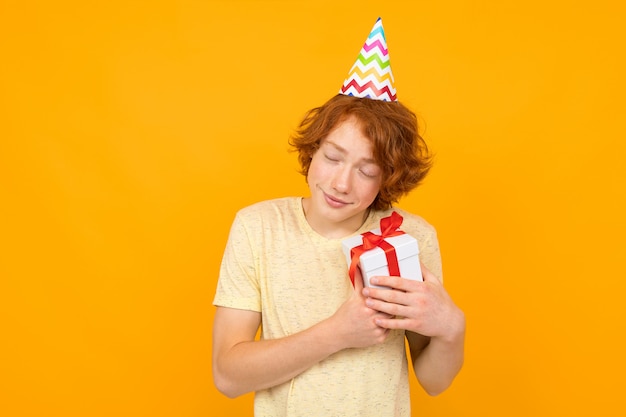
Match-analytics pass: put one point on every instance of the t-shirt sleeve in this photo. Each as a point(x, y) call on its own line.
point(430, 254)
point(238, 283)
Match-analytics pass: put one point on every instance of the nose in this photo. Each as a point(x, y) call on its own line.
point(342, 179)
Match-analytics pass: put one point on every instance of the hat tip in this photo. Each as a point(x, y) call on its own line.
point(371, 76)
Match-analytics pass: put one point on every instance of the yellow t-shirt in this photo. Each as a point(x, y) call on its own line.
point(276, 264)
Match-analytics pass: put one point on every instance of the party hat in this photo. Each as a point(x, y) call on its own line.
point(370, 76)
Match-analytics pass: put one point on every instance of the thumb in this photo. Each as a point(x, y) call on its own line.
point(427, 275)
point(358, 280)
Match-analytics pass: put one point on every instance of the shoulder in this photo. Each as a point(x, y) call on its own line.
point(426, 236)
point(268, 214)
point(267, 208)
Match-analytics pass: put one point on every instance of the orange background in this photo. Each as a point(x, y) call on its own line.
point(131, 132)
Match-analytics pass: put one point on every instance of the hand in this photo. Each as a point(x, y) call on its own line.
point(421, 307)
point(356, 323)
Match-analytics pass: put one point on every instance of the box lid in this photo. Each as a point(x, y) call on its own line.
point(405, 246)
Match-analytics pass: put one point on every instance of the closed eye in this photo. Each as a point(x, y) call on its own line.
point(368, 174)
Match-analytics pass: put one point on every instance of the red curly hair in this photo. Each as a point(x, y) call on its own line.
point(399, 150)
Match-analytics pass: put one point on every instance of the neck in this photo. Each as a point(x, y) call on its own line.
point(329, 228)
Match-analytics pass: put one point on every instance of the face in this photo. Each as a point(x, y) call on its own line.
point(344, 180)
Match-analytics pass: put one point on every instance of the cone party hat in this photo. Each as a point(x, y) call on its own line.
point(370, 76)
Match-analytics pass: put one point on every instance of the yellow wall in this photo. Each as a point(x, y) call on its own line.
point(131, 132)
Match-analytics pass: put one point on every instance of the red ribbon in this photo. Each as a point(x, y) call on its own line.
point(388, 228)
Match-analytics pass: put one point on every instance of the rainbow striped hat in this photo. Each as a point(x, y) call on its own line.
point(370, 76)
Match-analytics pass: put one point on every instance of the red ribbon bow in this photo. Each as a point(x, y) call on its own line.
point(388, 228)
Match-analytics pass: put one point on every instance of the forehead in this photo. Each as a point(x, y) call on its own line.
point(348, 137)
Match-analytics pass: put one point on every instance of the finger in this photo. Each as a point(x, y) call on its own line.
point(397, 283)
point(392, 307)
point(392, 323)
point(358, 281)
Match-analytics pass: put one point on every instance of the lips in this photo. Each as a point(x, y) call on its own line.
point(335, 202)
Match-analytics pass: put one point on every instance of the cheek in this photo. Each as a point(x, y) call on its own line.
point(315, 169)
point(375, 189)
point(373, 193)
point(368, 190)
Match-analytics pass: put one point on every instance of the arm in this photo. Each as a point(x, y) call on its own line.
point(242, 364)
point(435, 326)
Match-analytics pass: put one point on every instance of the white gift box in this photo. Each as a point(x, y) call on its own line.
point(374, 262)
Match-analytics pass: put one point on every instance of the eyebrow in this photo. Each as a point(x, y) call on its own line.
point(344, 151)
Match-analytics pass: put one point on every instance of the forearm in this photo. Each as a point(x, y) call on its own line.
point(255, 365)
point(440, 361)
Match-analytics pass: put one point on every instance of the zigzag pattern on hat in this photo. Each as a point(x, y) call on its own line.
point(371, 76)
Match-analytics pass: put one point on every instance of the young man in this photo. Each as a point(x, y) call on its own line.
point(328, 348)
